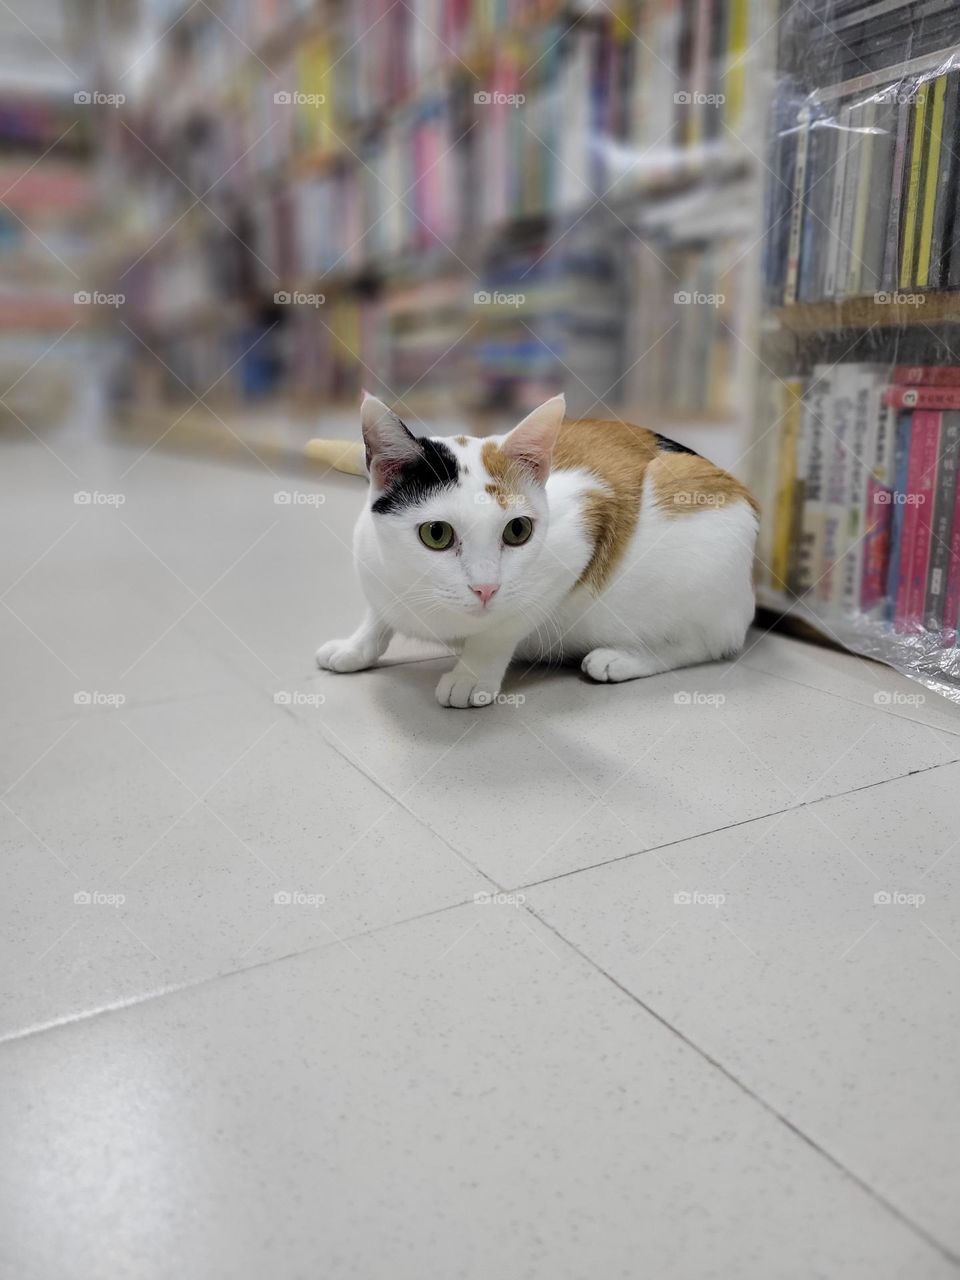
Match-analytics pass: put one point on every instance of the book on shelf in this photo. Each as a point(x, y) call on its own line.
point(867, 497)
point(871, 185)
point(941, 523)
point(807, 553)
point(787, 481)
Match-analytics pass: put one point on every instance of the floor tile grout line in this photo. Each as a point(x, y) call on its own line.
point(398, 800)
point(843, 697)
point(150, 998)
point(731, 826)
point(503, 887)
point(789, 1124)
point(119, 1006)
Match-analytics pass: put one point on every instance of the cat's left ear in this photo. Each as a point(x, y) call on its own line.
point(390, 446)
point(531, 442)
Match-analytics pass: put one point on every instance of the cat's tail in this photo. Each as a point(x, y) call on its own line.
point(342, 455)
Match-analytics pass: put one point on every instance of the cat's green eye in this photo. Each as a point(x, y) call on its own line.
point(518, 531)
point(436, 534)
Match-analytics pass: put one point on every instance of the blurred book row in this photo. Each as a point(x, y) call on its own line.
point(49, 225)
point(459, 199)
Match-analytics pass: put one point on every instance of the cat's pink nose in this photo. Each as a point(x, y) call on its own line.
point(485, 590)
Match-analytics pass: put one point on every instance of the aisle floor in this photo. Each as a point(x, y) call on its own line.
point(303, 975)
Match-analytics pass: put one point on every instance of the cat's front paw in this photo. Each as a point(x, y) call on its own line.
point(459, 688)
point(344, 655)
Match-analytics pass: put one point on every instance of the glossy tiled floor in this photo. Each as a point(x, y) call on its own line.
point(304, 976)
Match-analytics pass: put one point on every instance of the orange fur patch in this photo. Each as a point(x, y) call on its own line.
point(461, 440)
point(620, 455)
point(507, 475)
point(684, 484)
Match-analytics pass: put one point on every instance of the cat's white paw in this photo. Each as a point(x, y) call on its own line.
point(610, 666)
point(464, 689)
point(344, 655)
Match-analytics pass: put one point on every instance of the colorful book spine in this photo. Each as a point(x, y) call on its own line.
point(915, 548)
point(861, 201)
point(908, 258)
point(851, 181)
point(735, 78)
point(942, 522)
point(869, 383)
point(836, 485)
point(951, 606)
point(816, 210)
point(786, 480)
point(796, 213)
point(946, 198)
point(900, 473)
point(932, 143)
point(831, 270)
point(815, 406)
point(891, 253)
point(878, 512)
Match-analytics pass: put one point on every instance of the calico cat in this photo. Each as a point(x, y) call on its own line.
point(591, 540)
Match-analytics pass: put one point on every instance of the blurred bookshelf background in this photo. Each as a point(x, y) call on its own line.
point(732, 221)
point(463, 206)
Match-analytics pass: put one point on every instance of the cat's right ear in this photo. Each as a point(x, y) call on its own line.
point(389, 445)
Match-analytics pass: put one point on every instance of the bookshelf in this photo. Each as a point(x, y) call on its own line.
point(495, 199)
point(856, 440)
point(49, 217)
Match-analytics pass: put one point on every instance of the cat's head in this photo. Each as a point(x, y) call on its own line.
point(460, 521)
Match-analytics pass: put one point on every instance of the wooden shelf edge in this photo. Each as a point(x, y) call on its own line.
point(918, 308)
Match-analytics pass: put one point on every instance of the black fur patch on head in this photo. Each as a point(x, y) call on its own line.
point(666, 445)
point(434, 468)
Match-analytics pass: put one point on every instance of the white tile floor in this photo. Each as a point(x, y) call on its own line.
point(592, 1078)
